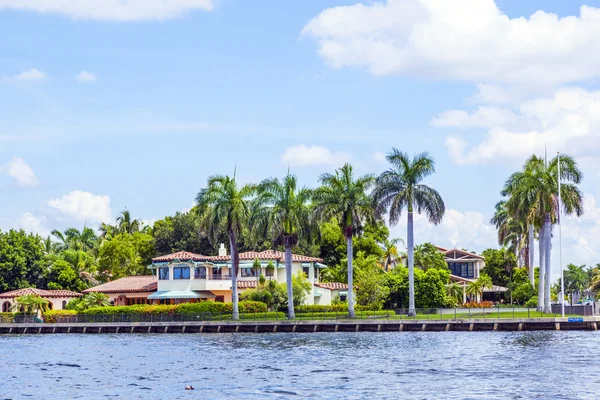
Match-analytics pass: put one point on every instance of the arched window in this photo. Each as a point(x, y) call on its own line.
point(6, 306)
point(64, 305)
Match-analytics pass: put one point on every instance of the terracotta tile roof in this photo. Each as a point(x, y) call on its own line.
point(247, 284)
point(39, 292)
point(144, 283)
point(268, 255)
point(182, 256)
point(332, 285)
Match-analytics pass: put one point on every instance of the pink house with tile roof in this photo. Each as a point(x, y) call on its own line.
point(57, 299)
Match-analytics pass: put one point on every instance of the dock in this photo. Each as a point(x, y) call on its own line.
point(473, 325)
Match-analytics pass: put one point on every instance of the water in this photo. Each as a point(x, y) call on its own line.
point(408, 365)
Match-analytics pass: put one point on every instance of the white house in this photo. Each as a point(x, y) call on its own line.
point(57, 299)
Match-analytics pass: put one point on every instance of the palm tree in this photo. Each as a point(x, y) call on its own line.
point(107, 231)
point(400, 187)
point(511, 231)
point(30, 304)
point(95, 299)
point(50, 247)
point(84, 240)
point(281, 211)
point(455, 290)
point(83, 263)
point(345, 198)
point(224, 208)
point(535, 189)
point(576, 280)
point(391, 253)
point(478, 286)
point(62, 241)
point(126, 224)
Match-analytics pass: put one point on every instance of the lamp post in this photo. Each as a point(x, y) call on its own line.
point(562, 277)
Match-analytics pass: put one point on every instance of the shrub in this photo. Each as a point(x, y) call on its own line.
point(183, 308)
point(342, 314)
point(341, 307)
point(51, 316)
point(482, 304)
point(532, 302)
point(7, 317)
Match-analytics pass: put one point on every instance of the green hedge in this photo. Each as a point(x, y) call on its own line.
point(342, 314)
point(7, 317)
point(184, 308)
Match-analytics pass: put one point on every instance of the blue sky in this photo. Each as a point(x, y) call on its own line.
point(134, 105)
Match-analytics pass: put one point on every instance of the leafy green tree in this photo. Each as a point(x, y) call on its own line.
point(499, 265)
point(400, 187)
point(370, 279)
point(301, 288)
point(30, 304)
point(455, 291)
point(63, 276)
point(181, 232)
point(95, 299)
point(281, 212)
point(428, 256)
point(576, 280)
point(430, 287)
point(22, 261)
point(224, 208)
point(344, 197)
point(125, 255)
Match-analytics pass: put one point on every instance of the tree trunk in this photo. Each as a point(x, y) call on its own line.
point(288, 278)
point(530, 263)
point(411, 266)
point(547, 249)
point(542, 244)
point(235, 260)
point(350, 276)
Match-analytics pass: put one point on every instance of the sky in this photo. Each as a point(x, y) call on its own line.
point(112, 105)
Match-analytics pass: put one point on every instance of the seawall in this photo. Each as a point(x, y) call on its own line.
point(473, 325)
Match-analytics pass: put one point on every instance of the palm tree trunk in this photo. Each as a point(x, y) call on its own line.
point(411, 265)
point(547, 249)
point(542, 243)
point(531, 241)
point(350, 275)
point(235, 258)
point(288, 277)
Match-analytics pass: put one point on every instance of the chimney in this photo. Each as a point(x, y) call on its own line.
point(222, 250)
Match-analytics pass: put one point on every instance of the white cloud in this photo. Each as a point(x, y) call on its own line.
point(32, 74)
point(33, 223)
point(112, 10)
point(379, 157)
point(83, 206)
point(85, 76)
point(305, 156)
point(568, 121)
point(18, 169)
point(438, 39)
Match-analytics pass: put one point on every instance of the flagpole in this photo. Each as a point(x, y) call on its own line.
point(562, 277)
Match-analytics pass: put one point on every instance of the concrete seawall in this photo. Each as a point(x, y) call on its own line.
point(519, 324)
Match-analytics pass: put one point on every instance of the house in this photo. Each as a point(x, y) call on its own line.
point(188, 277)
point(127, 291)
point(326, 292)
point(57, 299)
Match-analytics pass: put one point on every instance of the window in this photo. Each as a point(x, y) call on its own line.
point(463, 270)
point(181, 273)
point(64, 305)
point(220, 299)
point(246, 272)
point(200, 273)
point(343, 296)
point(163, 273)
point(305, 270)
point(269, 272)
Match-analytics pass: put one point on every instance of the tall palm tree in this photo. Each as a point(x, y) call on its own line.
point(281, 211)
point(535, 189)
point(400, 187)
point(127, 224)
point(344, 197)
point(512, 233)
point(107, 231)
point(224, 208)
point(62, 242)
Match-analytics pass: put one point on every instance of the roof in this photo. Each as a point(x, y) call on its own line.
point(247, 284)
point(268, 255)
point(332, 285)
point(144, 283)
point(39, 292)
point(181, 256)
point(493, 289)
point(456, 254)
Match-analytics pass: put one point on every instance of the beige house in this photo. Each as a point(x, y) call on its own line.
point(128, 290)
point(57, 299)
point(326, 292)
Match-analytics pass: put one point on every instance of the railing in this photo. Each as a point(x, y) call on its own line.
point(219, 277)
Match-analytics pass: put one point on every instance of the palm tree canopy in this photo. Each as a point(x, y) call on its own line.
point(224, 206)
point(127, 224)
point(344, 197)
point(400, 187)
point(281, 211)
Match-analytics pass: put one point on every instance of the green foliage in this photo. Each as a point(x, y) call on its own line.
point(532, 302)
point(22, 262)
point(301, 288)
point(370, 281)
point(61, 275)
point(333, 314)
point(181, 232)
point(52, 316)
point(183, 308)
point(318, 308)
point(95, 299)
point(428, 256)
point(7, 317)
point(499, 265)
point(30, 304)
point(430, 287)
point(523, 292)
point(126, 255)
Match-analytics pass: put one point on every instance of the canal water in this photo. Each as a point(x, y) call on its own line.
point(407, 365)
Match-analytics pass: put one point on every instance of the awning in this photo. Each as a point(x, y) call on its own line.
point(318, 294)
point(175, 294)
point(344, 293)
